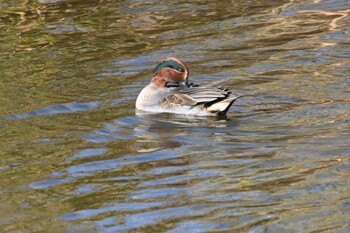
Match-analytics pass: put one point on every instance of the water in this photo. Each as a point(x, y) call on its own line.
point(76, 158)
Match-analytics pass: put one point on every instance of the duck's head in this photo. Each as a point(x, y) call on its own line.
point(171, 72)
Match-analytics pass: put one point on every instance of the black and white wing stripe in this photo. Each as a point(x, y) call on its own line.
point(206, 94)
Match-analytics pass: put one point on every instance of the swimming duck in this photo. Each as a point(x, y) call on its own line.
point(170, 91)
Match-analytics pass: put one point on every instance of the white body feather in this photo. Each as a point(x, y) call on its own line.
point(151, 97)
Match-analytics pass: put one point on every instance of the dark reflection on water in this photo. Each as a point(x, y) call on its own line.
point(76, 157)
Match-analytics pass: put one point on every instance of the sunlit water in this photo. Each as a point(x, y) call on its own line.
point(75, 157)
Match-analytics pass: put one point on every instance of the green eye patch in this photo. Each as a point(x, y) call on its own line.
point(171, 64)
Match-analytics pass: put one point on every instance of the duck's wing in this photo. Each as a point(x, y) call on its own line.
point(214, 97)
point(177, 100)
point(207, 94)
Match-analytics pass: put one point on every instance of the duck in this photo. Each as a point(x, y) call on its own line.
point(170, 91)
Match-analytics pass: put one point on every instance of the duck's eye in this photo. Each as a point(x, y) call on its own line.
point(177, 68)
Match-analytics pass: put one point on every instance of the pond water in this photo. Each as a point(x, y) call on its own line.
point(75, 157)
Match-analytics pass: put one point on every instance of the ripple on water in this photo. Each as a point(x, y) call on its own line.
point(57, 109)
point(279, 162)
point(87, 153)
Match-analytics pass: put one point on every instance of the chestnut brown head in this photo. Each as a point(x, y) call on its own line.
point(170, 73)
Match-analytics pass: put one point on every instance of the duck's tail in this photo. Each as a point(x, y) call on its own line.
point(221, 107)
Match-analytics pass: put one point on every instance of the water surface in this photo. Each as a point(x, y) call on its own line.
point(75, 157)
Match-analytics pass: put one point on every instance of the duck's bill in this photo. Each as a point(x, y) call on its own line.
point(173, 84)
point(186, 83)
point(178, 84)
